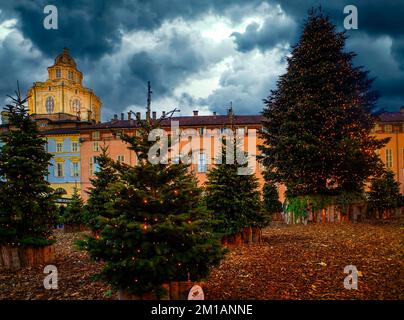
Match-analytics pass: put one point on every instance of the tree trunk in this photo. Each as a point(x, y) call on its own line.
point(14, 258)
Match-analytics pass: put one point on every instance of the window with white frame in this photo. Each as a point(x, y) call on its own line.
point(75, 146)
point(201, 162)
point(59, 172)
point(241, 130)
point(75, 169)
point(388, 128)
point(96, 146)
point(389, 158)
point(93, 165)
point(121, 158)
point(49, 105)
point(95, 135)
point(59, 146)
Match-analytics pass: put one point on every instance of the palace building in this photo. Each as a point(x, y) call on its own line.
point(69, 116)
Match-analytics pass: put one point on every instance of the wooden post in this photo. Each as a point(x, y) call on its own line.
point(14, 258)
point(174, 290)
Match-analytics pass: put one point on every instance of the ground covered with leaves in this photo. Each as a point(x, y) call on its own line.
point(294, 262)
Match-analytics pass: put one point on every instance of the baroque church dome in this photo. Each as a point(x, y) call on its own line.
point(64, 58)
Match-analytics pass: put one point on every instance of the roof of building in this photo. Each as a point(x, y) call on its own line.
point(392, 117)
point(218, 120)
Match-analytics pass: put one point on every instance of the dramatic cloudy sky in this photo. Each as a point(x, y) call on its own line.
point(198, 54)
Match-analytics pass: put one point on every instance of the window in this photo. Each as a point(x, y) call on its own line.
point(96, 146)
point(76, 104)
point(59, 169)
point(75, 169)
point(70, 75)
point(121, 158)
point(58, 73)
point(49, 105)
point(59, 146)
point(96, 135)
point(75, 146)
point(202, 131)
point(388, 128)
point(201, 162)
point(93, 165)
point(389, 158)
point(377, 128)
point(241, 131)
point(223, 130)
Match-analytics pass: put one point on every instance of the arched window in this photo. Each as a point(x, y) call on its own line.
point(50, 105)
point(76, 105)
point(58, 73)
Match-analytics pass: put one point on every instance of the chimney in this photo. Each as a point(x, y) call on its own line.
point(214, 113)
point(195, 112)
point(138, 116)
point(154, 115)
point(122, 116)
point(129, 115)
point(163, 114)
point(115, 117)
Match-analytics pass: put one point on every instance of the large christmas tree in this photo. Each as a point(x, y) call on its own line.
point(318, 120)
point(153, 229)
point(27, 202)
point(234, 197)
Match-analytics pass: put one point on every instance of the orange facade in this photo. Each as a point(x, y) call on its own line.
point(92, 138)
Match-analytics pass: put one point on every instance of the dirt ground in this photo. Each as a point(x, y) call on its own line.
point(293, 262)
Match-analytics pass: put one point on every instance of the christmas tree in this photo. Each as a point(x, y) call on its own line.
point(74, 212)
point(317, 122)
point(27, 202)
point(99, 194)
point(271, 198)
point(234, 197)
point(154, 229)
point(384, 195)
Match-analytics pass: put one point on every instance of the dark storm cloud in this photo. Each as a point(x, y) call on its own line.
point(94, 27)
point(271, 33)
point(94, 31)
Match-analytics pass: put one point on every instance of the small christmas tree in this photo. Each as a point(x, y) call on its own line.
point(384, 195)
point(271, 198)
point(234, 197)
point(27, 201)
point(153, 229)
point(99, 194)
point(74, 213)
